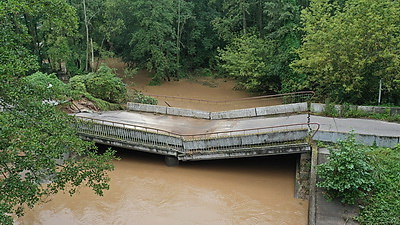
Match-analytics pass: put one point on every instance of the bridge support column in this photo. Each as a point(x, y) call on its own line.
point(302, 184)
point(171, 160)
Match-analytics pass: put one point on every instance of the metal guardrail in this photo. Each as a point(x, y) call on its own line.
point(202, 142)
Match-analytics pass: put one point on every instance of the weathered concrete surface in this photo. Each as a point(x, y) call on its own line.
point(249, 152)
point(233, 114)
point(147, 108)
point(303, 169)
point(282, 109)
point(188, 113)
point(319, 108)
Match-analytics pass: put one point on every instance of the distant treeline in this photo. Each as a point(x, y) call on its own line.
point(342, 49)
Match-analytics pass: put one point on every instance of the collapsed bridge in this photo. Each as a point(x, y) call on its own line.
point(262, 141)
point(219, 135)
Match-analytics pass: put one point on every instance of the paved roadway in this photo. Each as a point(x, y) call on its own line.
point(185, 125)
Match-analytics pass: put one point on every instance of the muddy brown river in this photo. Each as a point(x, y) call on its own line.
point(145, 191)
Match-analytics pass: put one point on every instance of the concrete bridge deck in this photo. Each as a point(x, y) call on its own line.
point(186, 125)
point(186, 138)
point(183, 138)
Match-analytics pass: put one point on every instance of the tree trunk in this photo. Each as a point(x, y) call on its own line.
point(244, 24)
point(178, 35)
point(260, 18)
point(92, 61)
point(87, 35)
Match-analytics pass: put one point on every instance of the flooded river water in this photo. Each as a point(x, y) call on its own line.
point(145, 191)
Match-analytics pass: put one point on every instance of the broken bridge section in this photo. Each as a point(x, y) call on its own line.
point(251, 142)
point(189, 134)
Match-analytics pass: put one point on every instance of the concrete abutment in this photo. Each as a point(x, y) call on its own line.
point(171, 161)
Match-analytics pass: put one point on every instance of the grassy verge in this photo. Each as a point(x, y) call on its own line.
point(348, 111)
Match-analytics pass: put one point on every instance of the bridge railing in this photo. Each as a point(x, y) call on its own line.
point(196, 143)
point(129, 133)
point(232, 104)
point(250, 138)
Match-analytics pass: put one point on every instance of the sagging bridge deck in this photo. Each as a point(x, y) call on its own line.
point(262, 141)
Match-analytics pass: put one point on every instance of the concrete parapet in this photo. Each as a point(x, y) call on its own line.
point(283, 136)
point(247, 152)
point(281, 109)
point(319, 108)
point(382, 141)
point(233, 114)
point(212, 143)
point(394, 111)
point(188, 113)
point(147, 108)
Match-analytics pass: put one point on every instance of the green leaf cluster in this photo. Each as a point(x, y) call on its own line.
point(347, 175)
point(245, 58)
point(144, 99)
point(382, 206)
point(47, 85)
point(103, 84)
point(40, 152)
point(368, 176)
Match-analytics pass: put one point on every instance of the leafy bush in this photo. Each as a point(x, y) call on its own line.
point(103, 84)
point(382, 206)
point(141, 98)
point(347, 175)
point(247, 58)
point(47, 85)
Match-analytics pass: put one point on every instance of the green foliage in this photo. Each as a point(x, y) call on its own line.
point(78, 83)
point(16, 58)
point(103, 84)
point(233, 22)
point(144, 99)
point(281, 25)
point(350, 111)
point(347, 175)
point(35, 142)
point(246, 60)
point(130, 72)
point(348, 48)
point(204, 72)
point(47, 85)
point(383, 204)
point(156, 41)
point(35, 31)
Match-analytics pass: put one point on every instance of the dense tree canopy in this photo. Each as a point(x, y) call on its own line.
point(346, 52)
point(345, 47)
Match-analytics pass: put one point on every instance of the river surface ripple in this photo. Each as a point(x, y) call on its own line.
point(145, 191)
